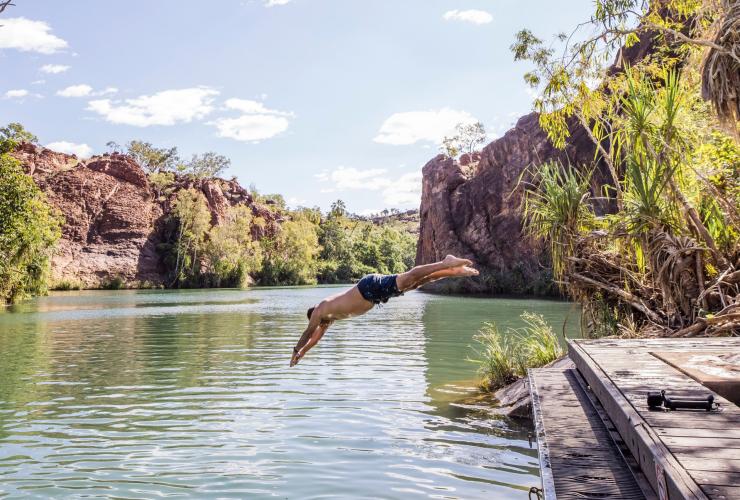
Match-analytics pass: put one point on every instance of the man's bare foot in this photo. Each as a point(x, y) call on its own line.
point(452, 261)
point(469, 271)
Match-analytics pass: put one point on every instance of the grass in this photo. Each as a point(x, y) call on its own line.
point(505, 356)
point(66, 285)
point(115, 283)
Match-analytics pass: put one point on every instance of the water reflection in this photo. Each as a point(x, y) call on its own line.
point(137, 394)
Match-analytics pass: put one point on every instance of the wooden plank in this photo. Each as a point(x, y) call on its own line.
point(577, 455)
point(718, 478)
point(700, 465)
point(697, 432)
point(704, 443)
point(721, 492)
point(644, 443)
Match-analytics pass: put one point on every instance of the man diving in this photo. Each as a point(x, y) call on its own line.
point(372, 290)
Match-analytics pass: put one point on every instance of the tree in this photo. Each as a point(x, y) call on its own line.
point(290, 256)
point(152, 159)
point(338, 209)
point(467, 139)
point(190, 210)
point(13, 134)
point(114, 147)
point(208, 164)
point(29, 228)
point(232, 253)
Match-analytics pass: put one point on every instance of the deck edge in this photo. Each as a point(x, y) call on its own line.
point(543, 450)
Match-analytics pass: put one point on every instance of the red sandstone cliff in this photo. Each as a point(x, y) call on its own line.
point(113, 216)
point(472, 207)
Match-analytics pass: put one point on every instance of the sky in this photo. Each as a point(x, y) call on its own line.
point(317, 100)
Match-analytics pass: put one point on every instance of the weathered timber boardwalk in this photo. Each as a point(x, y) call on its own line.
point(578, 455)
point(654, 453)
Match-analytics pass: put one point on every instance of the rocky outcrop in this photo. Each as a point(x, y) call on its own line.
point(472, 207)
point(113, 216)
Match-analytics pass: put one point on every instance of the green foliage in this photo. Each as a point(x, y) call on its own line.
point(500, 363)
point(66, 285)
point(162, 182)
point(351, 248)
point(557, 209)
point(306, 248)
point(208, 164)
point(290, 257)
point(538, 341)
point(13, 134)
point(152, 159)
point(29, 228)
point(467, 139)
point(114, 283)
point(505, 356)
point(233, 255)
point(190, 211)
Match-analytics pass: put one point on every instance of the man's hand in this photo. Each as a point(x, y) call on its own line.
point(297, 355)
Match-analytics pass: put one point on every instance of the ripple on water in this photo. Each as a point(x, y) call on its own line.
point(188, 394)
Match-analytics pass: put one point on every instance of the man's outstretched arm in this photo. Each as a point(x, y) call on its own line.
point(313, 339)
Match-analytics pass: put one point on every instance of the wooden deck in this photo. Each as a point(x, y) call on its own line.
point(682, 454)
point(579, 457)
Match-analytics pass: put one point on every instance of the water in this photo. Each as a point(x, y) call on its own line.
point(143, 394)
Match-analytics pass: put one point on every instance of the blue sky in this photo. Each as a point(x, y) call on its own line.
point(313, 99)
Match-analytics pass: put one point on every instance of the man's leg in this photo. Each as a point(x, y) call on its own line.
point(405, 281)
point(458, 272)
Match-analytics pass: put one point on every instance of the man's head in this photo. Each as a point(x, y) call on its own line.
point(310, 312)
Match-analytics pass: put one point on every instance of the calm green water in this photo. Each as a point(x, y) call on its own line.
point(143, 394)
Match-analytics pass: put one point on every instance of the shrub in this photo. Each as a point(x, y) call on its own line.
point(504, 357)
point(66, 285)
point(114, 283)
point(29, 228)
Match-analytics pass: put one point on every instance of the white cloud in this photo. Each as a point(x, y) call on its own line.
point(16, 93)
point(83, 90)
point(29, 36)
point(80, 90)
point(167, 107)
point(414, 126)
point(468, 16)
point(400, 191)
point(81, 150)
point(38, 82)
point(54, 68)
point(273, 3)
point(251, 128)
point(294, 201)
point(352, 178)
point(256, 123)
point(404, 191)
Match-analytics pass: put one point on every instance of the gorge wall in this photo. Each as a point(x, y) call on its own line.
point(113, 215)
point(472, 207)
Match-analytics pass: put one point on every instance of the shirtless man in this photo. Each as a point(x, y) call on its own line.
point(371, 290)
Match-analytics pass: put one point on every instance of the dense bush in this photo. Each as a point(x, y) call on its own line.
point(29, 228)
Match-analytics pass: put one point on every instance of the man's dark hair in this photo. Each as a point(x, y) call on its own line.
point(310, 312)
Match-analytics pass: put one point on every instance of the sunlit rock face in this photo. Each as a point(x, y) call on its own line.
point(113, 217)
point(472, 206)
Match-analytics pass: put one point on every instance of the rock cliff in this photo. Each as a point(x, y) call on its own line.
point(113, 215)
point(471, 207)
